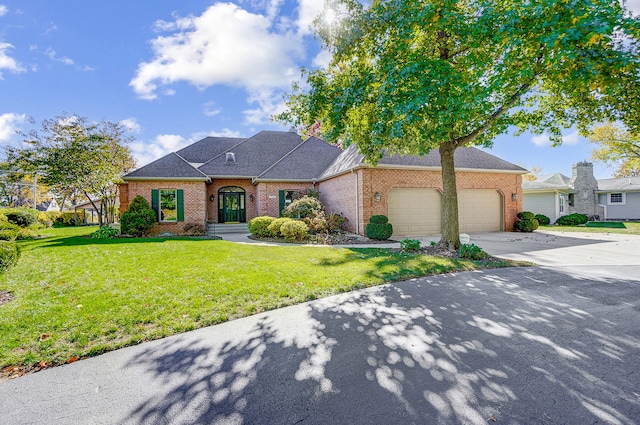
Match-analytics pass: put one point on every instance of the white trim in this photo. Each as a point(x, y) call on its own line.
point(623, 196)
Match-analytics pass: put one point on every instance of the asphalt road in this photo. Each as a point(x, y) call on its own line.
point(555, 344)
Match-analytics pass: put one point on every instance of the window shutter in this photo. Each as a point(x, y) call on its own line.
point(180, 205)
point(155, 202)
point(281, 204)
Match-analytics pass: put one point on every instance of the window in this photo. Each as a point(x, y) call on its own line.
point(168, 205)
point(286, 198)
point(616, 199)
point(561, 204)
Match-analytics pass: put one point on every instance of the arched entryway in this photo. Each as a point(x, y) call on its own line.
point(231, 205)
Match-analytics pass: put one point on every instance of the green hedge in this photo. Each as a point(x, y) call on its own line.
point(572, 219)
point(379, 231)
point(294, 231)
point(526, 215)
point(138, 219)
point(274, 227)
point(378, 219)
point(259, 226)
point(543, 220)
point(8, 255)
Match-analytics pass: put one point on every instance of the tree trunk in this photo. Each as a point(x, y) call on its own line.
point(450, 228)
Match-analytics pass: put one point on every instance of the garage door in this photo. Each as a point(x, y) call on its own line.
point(414, 211)
point(479, 210)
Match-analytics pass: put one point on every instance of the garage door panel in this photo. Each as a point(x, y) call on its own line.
point(414, 211)
point(479, 210)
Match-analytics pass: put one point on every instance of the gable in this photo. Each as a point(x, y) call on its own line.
point(171, 166)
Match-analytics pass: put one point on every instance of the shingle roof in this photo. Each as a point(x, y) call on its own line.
point(207, 148)
point(464, 158)
point(254, 155)
point(171, 166)
point(623, 184)
point(548, 182)
point(306, 162)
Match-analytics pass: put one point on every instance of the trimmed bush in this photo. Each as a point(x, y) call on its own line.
point(379, 231)
point(572, 219)
point(48, 217)
point(411, 245)
point(23, 217)
point(306, 206)
point(69, 218)
point(526, 215)
point(527, 226)
point(336, 222)
point(105, 232)
point(379, 219)
point(8, 255)
point(294, 231)
point(543, 220)
point(274, 227)
point(8, 235)
point(138, 219)
point(259, 226)
point(472, 252)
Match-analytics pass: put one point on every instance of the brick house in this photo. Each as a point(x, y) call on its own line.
point(231, 180)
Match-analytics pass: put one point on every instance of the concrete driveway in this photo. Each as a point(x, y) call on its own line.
point(558, 344)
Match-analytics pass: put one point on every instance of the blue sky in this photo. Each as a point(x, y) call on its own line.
point(177, 71)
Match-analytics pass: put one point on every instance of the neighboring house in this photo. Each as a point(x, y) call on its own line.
point(557, 195)
point(48, 206)
point(231, 180)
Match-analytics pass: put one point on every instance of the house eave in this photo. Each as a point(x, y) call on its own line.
point(267, 180)
point(165, 179)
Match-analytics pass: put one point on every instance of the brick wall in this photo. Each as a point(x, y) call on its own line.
point(340, 191)
point(194, 201)
point(249, 188)
point(268, 195)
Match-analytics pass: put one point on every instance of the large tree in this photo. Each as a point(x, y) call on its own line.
point(74, 156)
point(617, 146)
point(411, 76)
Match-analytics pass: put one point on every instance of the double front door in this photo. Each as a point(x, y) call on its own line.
point(231, 205)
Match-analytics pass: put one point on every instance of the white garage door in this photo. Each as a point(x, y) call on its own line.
point(479, 210)
point(414, 212)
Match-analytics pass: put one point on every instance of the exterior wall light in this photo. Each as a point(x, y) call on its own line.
point(377, 197)
point(514, 197)
point(212, 197)
point(251, 197)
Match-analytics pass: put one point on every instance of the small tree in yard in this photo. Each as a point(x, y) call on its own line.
point(407, 76)
point(138, 219)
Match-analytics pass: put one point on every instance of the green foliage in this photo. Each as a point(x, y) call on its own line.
point(543, 220)
point(526, 215)
point(574, 219)
point(8, 255)
point(8, 234)
point(304, 207)
point(472, 252)
point(294, 231)
point(69, 218)
point(317, 223)
point(409, 77)
point(336, 222)
point(619, 147)
point(379, 231)
point(48, 218)
point(106, 232)
point(379, 219)
point(274, 227)
point(23, 217)
point(25, 234)
point(194, 229)
point(411, 245)
point(259, 226)
point(526, 225)
point(139, 219)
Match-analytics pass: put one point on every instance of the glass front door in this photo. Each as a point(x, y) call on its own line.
point(231, 205)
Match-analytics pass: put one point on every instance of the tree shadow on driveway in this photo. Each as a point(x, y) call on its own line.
point(524, 345)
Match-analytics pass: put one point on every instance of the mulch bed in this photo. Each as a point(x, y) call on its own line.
point(5, 297)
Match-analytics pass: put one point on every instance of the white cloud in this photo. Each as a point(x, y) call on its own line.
point(163, 144)
point(9, 124)
point(210, 109)
point(225, 45)
point(7, 62)
point(3, 10)
point(131, 124)
point(323, 59)
point(568, 139)
point(308, 10)
point(51, 54)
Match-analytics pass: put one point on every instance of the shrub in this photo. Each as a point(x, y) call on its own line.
point(336, 222)
point(5, 225)
point(138, 219)
point(294, 231)
point(23, 217)
point(527, 226)
point(8, 235)
point(69, 218)
point(472, 252)
point(194, 229)
point(411, 245)
point(274, 227)
point(317, 223)
point(543, 220)
point(379, 231)
point(304, 207)
point(572, 219)
point(259, 226)
point(105, 232)
point(8, 255)
point(379, 219)
point(526, 215)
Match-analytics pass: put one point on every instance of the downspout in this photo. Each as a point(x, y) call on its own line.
point(357, 203)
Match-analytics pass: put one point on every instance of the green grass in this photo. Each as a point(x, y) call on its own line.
point(77, 297)
point(631, 228)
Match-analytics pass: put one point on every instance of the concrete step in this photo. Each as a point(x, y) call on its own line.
point(215, 229)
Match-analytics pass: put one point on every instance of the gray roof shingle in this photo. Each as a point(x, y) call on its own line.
point(623, 184)
point(171, 166)
point(306, 162)
point(207, 148)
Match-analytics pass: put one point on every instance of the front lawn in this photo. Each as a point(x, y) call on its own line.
point(631, 228)
point(76, 297)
